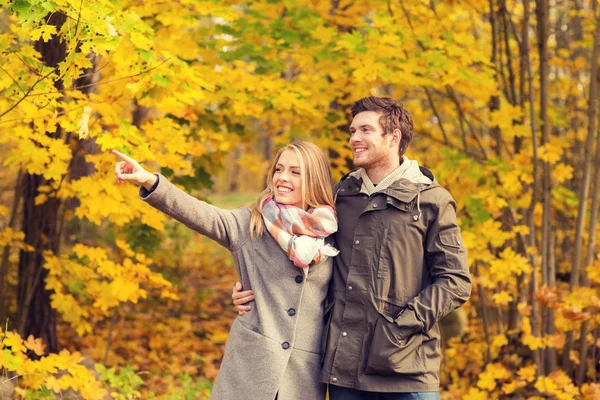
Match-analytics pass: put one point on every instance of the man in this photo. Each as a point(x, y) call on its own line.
point(402, 266)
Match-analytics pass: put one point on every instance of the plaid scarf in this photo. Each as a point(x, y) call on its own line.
point(301, 234)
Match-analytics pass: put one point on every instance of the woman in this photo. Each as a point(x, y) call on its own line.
point(279, 250)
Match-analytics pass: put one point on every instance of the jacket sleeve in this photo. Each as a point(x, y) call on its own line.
point(229, 228)
point(446, 260)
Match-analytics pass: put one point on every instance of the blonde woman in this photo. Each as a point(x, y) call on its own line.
point(281, 251)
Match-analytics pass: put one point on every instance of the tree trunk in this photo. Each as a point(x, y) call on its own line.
point(76, 229)
point(547, 268)
point(36, 316)
point(589, 258)
point(495, 100)
point(585, 186)
point(40, 226)
point(535, 316)
point(6, 251)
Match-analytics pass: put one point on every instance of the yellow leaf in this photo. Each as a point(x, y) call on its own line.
point(562, 172)
point(527, 373)
point(219, 337)
point(522, 229)
point(476, 394)
point(123, 245)
point(499, 341)
point(83, 122)
point(492, 373)
point(13, 340)
point(550, 152)
point(502, 298)
point(511, 387)
point(40, 199)
point(36, 345)
point(45, 31)
point(533, 342)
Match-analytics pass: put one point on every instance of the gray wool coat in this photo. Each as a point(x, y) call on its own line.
point(274, 349)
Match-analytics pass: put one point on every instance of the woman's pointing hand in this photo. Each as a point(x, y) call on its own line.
point(129, 170)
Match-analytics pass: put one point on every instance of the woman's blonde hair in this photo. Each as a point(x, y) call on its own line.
point(316, 181)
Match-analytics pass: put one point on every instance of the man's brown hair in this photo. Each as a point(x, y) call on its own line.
point(393, 116)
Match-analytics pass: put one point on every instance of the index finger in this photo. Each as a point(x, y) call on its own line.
point(239, 295)
point(123, 156)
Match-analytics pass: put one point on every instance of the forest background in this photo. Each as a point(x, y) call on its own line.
point(102, 296)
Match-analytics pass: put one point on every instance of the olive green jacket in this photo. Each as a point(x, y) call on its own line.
point(402, 267)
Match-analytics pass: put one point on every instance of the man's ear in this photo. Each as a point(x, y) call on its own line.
point(396, 137)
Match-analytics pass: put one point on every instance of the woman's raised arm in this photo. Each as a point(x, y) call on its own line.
point(230, 228)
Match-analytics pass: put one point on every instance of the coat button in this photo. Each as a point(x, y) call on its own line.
point(415, 217)
point(291, 312)
point(374, 205)
point(458, 242)
point(344, 334)
point(334, 379)
point(400, 342)
point(349, 288)
point(343, 190)
point(285, 345)
point(299, 279)
point(356, 241)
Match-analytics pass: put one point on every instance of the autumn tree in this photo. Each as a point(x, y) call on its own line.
point(504, 98)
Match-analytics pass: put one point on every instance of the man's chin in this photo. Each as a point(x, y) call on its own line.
point(359, 163)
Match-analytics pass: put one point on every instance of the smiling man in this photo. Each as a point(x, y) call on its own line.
point(402, 266)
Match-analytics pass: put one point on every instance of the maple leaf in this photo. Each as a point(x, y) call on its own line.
point(527, 373)
point(36, 345)
point(502, 298)
point(14, 341)
point(575, 313)
point(547, 296)
point(45, 32)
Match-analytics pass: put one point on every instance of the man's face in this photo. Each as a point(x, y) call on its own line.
point(369, 147)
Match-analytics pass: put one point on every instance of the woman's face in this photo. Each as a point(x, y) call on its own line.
point(287, 179)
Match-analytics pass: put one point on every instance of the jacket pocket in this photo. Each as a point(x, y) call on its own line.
point(390, 354)
point(327, 315)
point(451, 237)
point(453, 248)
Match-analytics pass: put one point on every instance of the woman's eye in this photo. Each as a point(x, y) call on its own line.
point(296, 173)
point(277, 169)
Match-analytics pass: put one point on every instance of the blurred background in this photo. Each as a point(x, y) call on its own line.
point(101, 295)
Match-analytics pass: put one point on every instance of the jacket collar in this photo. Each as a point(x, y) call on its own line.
point(402, 189)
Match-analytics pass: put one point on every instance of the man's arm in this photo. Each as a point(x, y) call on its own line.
point(241, 298)
point(446, 259)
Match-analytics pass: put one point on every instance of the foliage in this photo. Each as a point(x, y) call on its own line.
point(53, 373)
point(204, 91)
